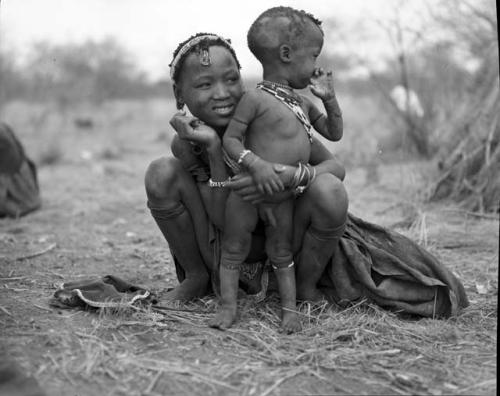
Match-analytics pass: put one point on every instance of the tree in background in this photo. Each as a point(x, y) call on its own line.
point(93, 71)
point(469, 156)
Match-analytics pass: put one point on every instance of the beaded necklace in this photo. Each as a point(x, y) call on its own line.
point(287, 96)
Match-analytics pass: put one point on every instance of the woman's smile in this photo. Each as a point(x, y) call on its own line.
point(224, 110)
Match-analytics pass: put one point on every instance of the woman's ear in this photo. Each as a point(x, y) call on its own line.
point(285, 53)
point(178, 98)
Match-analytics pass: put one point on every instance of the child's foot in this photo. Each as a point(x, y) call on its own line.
point(224, 318)
point(189, 289)
point(290, 323)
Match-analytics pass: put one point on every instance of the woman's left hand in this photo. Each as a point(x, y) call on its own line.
point(193, 130)
point(244, 185)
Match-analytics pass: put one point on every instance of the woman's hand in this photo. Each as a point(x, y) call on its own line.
point(193, 130)
point(244, 185)
point(266, 178)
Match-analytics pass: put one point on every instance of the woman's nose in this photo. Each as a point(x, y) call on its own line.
point(221, 91)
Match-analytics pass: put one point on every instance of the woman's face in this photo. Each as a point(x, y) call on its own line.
point(211, 92)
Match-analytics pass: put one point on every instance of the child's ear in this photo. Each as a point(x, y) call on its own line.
point(285, 53)
point(178, 99)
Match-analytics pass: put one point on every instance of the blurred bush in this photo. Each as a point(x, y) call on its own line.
point(91, 72)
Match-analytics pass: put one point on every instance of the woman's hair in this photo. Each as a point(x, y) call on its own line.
point(200, 45)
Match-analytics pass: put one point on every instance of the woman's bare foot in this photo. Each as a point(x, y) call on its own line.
point(311, 294)
point(225, 317)
point(189, 289)
point(290, 322)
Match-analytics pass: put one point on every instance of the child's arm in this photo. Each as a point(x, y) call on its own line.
point(263, 173)
point(331, 125)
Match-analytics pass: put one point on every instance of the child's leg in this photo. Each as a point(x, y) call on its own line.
point(240, 220)
point(279, 251)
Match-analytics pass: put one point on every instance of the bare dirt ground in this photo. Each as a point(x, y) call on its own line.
point(94, 222)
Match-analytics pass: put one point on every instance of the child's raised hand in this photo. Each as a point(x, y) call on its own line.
point(322, 84)
point(265, 177)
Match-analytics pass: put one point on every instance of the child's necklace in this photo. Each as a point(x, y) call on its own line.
point(277, 85)
point(287, 96)
point(284, 90)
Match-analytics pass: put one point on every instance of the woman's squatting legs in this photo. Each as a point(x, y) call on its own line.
point(319, 223)
point(176, 206)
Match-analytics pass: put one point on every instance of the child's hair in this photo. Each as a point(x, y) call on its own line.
point(267, 33)
point(203, 44)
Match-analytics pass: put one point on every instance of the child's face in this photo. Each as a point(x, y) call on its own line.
point(304, 58)
point(211, 92)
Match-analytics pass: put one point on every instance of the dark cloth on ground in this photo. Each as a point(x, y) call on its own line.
point(392, 271)
point(19, 190)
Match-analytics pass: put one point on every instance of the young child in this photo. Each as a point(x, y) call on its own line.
point(272, 124)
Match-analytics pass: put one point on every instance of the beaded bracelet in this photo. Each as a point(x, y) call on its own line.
point(303, 177)
point(242, 155)
point(275, 267)
point(217, 184)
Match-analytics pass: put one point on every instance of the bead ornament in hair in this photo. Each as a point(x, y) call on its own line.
point(199, 43)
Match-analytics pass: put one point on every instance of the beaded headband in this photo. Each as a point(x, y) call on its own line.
point(190, 44)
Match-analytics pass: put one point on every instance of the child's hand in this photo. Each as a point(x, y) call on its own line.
point(322, 84)
point(265, 177)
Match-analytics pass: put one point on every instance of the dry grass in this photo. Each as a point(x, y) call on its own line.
point(94, 211)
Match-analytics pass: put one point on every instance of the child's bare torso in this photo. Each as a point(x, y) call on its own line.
point(276, 134)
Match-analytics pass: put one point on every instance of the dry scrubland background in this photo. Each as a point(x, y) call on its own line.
point(92, 122)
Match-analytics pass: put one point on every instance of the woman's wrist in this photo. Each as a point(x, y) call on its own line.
point(214, 145)
point(287, 175)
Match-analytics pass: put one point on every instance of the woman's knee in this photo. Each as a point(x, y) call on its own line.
point(328, 199)
point(162, 177)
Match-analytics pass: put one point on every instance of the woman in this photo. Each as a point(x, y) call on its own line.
point(363, 261)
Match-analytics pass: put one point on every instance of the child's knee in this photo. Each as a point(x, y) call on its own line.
point(279, 254)
point(235, 249)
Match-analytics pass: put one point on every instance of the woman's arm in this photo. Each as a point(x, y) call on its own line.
point(214, 199)
point(321, 159)
point(324, 161)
